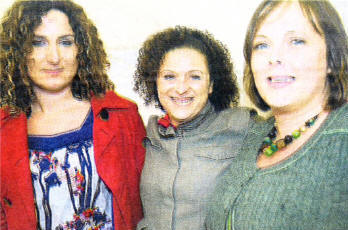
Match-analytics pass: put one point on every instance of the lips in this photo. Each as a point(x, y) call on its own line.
point(280, 81)
point(182, 100)
point(53, 71)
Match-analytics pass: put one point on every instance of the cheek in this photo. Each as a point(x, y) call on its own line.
point(70, 58)
point(162, 92)
point(258, 70)
point(258, 65)
point(202, 91)
point(260, 85)
point(160, 87)
point(31, 65)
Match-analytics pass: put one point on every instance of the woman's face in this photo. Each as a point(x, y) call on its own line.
point(183, 84)
point(288, 60)
point(52, 64)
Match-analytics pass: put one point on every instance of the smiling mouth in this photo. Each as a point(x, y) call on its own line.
point(281, 79)
point(182, 100)
point(277, 82)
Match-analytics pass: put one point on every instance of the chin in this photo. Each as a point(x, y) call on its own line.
point(53, 88)
point(183, 117)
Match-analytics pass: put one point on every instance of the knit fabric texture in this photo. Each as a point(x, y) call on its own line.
point(307, 191)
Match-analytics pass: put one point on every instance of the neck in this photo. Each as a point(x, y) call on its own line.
point(291, 118)
point(288, 121)
point(52, 101)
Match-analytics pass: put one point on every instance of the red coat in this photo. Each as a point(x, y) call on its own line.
point(119, 156)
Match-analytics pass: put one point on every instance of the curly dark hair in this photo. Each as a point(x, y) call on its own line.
point(16, 37)
point(326, 21)
point(225, 90)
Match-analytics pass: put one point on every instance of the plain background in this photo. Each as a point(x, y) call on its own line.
point(124, 25)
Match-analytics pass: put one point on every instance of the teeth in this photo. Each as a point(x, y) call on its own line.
point(281, 80)
point(182, 100)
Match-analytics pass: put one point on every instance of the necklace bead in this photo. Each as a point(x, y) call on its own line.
point(296, 134)
point(288, 139)
point(280, 143)
point(269, 147)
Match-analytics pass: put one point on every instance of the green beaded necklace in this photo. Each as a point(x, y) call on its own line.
point(269, 147)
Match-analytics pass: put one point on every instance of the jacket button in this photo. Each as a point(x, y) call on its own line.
point(104, 115)
point(7, 201)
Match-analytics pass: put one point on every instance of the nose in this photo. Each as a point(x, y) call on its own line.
point(276, 56)
point(181, 85)
point(53, 54)
point(274, 61)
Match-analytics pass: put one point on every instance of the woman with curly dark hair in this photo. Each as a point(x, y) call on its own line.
point(188, 74)
point(71, 152)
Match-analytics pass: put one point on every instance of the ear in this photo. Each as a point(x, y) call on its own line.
point(329, 70)
point(211, 85)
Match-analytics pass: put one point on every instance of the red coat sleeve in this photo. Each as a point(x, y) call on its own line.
point(139, 137)
point(3, 219)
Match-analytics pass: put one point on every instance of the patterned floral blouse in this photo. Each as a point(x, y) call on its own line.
point(68, 191)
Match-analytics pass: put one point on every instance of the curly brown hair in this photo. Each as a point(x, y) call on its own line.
point(16, 38)
point(225, 89)
point(326, 21)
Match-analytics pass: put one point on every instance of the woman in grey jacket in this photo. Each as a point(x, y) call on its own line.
point(189, 75)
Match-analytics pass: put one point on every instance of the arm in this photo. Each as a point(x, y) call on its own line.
point(139, 137)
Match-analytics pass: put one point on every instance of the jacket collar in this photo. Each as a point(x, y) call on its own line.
point(109, 101)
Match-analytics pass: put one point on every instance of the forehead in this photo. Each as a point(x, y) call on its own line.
point(184, 55)
point(54, 22)
point(287, 15)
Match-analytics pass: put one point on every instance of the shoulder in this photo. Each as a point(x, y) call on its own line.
point(4, 113)
point(338, 119)
point(336, 124)
point(234, 114)
point(334, 132)
point(152, 125)
point(112, 103)
point(237, 118)
point(111, 100)
point(152, 122)
point(11, 121)
point(118, 111)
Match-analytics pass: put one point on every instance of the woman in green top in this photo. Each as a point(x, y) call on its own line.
point(292, 172)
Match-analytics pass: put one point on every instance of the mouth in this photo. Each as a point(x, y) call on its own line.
point(182, 100)
point(53, 71)
point(280, 81)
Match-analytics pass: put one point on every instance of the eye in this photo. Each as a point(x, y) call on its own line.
point(66, 42)
point(168, 76)
point(196, 77)
point(39, 42)
point(260, 46)
point(297, 41)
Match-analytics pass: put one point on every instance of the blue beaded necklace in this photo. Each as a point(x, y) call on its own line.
point(269, 146)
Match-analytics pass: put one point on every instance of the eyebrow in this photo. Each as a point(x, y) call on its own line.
point(60, 37)
point(260, 36)
point(290, 32)
point(174, 71)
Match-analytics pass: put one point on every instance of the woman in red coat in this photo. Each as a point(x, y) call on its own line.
point(71, 152)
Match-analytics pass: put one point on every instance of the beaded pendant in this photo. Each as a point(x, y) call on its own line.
point(269, 146)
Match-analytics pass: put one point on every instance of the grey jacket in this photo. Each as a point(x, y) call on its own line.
point(182, 166)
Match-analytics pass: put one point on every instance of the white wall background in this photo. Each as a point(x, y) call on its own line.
point(124, 24)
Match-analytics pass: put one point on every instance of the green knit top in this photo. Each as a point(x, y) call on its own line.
point(307, 191)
